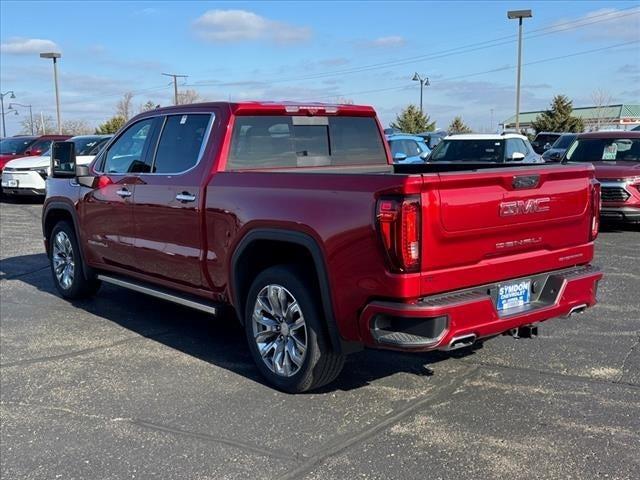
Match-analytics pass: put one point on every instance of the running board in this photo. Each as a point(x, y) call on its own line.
point(191, 302)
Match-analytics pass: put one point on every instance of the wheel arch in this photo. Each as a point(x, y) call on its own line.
point(297, 243)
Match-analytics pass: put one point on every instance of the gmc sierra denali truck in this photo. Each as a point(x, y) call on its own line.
point(296, 217)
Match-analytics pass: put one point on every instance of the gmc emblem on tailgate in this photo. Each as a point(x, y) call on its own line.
point(524, 207)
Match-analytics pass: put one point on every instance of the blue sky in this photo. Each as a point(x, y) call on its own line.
point(365, 52)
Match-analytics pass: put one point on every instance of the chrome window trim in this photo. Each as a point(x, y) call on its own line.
point(205, 142)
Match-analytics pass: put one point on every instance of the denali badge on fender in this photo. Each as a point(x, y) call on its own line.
point(524, 207)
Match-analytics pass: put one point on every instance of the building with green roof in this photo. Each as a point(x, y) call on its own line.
point(624, 116)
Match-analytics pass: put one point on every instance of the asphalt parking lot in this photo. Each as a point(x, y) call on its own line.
point(126, 386)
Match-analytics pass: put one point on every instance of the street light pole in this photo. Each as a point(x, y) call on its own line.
point(519, 14)
point(55, 56)
point(2, 95)
point(30, 113)
point(424, 82)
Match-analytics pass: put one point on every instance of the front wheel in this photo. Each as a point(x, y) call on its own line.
point(66, 265)
point(286, 334)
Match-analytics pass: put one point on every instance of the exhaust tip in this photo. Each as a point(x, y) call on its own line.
point(461, 342)
point(577, 309)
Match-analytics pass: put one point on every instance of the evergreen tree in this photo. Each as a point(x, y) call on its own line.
point(558, 118)
point(412, 121)
point(112, 125)
point(458, 126)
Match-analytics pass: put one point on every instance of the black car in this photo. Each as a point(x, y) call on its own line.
point(554, 154)
point(544, 140)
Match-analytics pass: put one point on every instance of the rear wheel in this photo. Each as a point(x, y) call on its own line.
point(286, 335)
point(66, 265)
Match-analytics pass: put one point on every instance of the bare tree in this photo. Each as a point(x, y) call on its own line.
point(76, 127)
point(123, 107)
point(188, 96)
point(39, 128)
point(601, 99)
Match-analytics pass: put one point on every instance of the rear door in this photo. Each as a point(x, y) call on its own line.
point(485, 216)
point(167, 211)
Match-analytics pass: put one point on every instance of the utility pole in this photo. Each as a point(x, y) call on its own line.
point(491, 124)
point(519, 14)
point(175, 85)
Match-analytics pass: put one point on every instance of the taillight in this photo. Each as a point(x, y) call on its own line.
point(399, 227)
point(596, 204)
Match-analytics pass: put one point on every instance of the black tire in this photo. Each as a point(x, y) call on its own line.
point(79, 286)
point(321, 364)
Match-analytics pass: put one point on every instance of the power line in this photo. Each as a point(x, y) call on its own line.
point(494, 70)
point(469, 48)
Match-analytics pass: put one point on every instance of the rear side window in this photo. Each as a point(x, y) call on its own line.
point(180, 143)
point(290, 141)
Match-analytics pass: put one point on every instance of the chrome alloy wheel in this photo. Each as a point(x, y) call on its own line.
point(279, 330)
point(63, 260)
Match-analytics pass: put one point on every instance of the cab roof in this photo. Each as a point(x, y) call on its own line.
point(282, 107)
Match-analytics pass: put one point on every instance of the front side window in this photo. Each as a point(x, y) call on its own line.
point(289, 141)
point(125, 155)
point(180, 143)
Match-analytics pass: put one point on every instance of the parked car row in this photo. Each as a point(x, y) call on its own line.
point(27, 175)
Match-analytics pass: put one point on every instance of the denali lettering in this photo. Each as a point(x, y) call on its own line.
point(518, 243)
point(524, 207)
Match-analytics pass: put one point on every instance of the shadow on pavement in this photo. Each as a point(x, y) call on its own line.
point(217, 340)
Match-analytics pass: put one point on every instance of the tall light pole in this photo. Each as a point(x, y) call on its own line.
point(2, 95)
point(30, 112)
point(424, 82)
point(519, 14)
point(55, 56)
point(175, 85)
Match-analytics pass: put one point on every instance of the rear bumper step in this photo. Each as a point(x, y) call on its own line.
point(449, 321)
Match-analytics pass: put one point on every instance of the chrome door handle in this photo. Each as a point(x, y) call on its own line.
point(185, 197)
point(124, 193)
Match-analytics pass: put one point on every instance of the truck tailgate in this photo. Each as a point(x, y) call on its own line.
point(496, 219)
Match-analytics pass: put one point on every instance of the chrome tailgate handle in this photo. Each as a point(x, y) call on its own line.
point(124, 193)
point(185, 197)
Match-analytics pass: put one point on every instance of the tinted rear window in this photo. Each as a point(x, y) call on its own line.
point(468, 151)
point(285, 142)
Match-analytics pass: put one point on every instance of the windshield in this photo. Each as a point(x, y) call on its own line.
point(468, 151)
point(88, 145)
point(15, 146)
point(564, 141)
point(544, 138)
point(604, 149)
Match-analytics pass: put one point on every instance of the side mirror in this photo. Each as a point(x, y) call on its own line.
point(425, 155)
point(63, 160)
point(400, 156)
point(84, 177)
point(517, 156)
point(547, 146)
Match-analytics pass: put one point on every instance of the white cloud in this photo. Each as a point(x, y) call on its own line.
point(225, 26)
point(605, 24)
point(386, 42)
point(28, 46)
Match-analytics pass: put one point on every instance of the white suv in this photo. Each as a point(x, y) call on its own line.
point(28, 175)
point(481, 147)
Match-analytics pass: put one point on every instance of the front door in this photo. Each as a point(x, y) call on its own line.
point(107, 210)
point(167, 211)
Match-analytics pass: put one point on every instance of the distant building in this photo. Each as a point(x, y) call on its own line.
point(618, 117)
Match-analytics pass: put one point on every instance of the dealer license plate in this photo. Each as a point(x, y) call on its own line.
point(514, 294)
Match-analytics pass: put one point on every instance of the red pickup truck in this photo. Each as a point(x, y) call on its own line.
point(296, 217)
